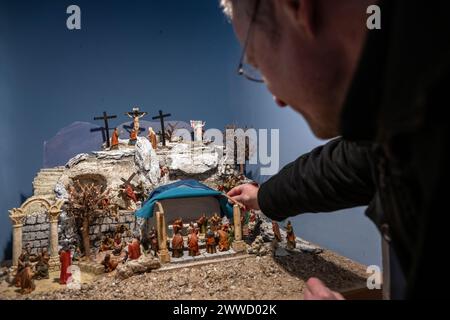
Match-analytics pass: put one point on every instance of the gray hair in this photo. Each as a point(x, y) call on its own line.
point(227, 8)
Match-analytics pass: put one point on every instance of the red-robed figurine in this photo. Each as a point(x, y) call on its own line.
point(134, 249)
point(130, 193)
point(66, 261)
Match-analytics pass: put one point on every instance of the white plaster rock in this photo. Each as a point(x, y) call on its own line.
point(192, 159)
point(147, 161)
point(77, 159)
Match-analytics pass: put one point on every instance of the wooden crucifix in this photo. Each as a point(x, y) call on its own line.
point(131, 127)
point(128, 182)
point(161, 118)
point(128, 190)
point(136, 114)
point(105, 118)
point(102, 129)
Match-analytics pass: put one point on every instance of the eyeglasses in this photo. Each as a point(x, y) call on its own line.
point(245, 69)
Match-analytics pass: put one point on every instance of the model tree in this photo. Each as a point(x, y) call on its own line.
point(88, 202)
point(247, 151)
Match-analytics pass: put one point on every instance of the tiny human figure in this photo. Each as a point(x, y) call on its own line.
point(177, 225)
point(214, 222)
point(276, 231)
point(290, 236)
point(152, 138)
point(134, 249)
point(66, 261)
point(177, 245)
point(164, 172)
point(202, 223)
point(118, 245)
point(107, 244)
point(193, 243)
point(154, 241)
point(130, 193)
point(224, 244)
point(252, 216)
point(42, 265)
point(115, 140)
point(133, 137)
point(210, 241)
point(24, 258)
point(109, 264)
point(26, 279)
point(76, 254)
point(231, 234)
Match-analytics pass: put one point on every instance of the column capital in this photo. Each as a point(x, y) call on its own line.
point(54, 213)
point(17, 217)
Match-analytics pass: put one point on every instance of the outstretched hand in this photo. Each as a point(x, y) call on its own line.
point(316, 290)
point(247, 194)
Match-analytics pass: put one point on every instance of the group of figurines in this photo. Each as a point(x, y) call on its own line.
point(32, 267)
point(217, 232)
point(152, 137)
point(118, 251)
point(290, 235)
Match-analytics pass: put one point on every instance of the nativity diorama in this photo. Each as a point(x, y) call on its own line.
point(147, 201)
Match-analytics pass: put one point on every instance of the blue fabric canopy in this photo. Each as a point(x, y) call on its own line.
point(184, 189)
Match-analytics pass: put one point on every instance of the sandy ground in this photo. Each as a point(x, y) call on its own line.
point(248, 277)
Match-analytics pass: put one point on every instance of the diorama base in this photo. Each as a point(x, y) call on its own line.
point(239, 246)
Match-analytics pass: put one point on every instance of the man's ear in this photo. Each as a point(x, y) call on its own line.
point(301, 13)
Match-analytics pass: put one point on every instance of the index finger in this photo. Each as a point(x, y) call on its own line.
point(235, 191)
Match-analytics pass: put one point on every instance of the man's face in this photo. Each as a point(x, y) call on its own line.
point(305, 71)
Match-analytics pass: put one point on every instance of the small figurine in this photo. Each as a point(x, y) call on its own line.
point(252, 216)
point(22, 262)
point(134, 249)
point(224, 244)
point(231, 234)
point(214, 222)
point(115, 140)
point(202, 223)
point(76, 254)
point(164, 172)
point(66, 261)
point(177, 245)
point(118, 245)
point(42, 265)
point(26, 279)
point(107, 244)
point(133, 137)
point(193, 243)
point(210, 241)
point(290, 236)
point(109, 264)
point(130, 193)
point(177, 225)
point(136, 114)
point(154, 241)
point(152, 138)
point(276, 231)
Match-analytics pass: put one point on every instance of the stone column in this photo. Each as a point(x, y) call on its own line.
point(17, 217)
point(53, 215)
point(161, 228)
point(238, 245)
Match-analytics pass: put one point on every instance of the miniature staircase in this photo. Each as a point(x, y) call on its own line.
point(45, 181)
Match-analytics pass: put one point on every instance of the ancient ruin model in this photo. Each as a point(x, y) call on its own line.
point(139, 202)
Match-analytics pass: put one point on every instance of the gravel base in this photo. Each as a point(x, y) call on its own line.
point(266, 277)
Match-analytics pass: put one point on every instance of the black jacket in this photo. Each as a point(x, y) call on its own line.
point(393, 154)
